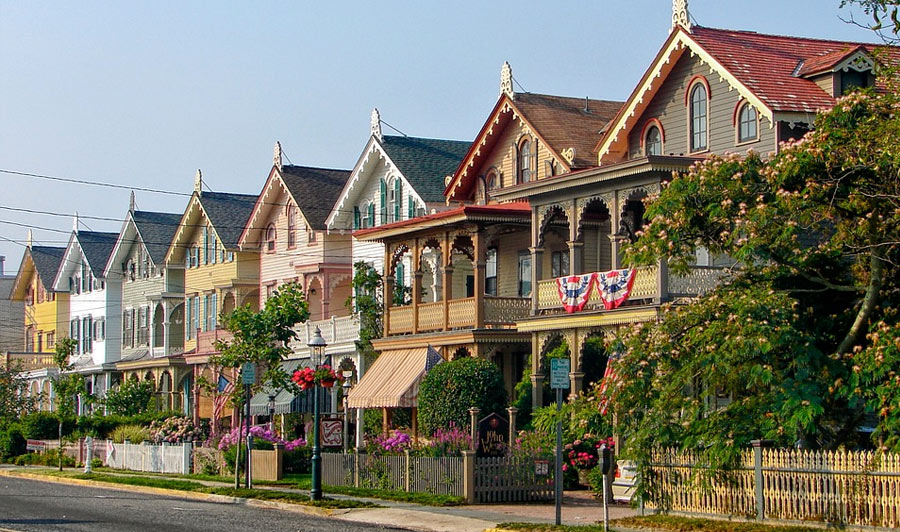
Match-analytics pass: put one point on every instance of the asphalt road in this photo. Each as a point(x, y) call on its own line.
point(29, 505)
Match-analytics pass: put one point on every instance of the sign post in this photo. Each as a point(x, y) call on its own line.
point(559, 381)
point(248, 378)
point(605, 466)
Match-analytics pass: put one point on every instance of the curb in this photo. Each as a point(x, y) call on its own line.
point(211, 497)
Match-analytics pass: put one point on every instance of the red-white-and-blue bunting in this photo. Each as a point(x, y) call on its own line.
point(615, 286)
point(574, 291)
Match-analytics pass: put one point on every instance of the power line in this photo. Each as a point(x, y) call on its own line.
point(92, 183)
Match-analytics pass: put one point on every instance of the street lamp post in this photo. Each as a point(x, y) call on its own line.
point(317, 350)
point(347, 385)
point(272, 413)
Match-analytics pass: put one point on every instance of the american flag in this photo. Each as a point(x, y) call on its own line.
point(224, 389)
point(608, 383)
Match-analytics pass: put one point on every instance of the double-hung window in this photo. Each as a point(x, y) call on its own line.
point(490, 272)
point(698, 118)
point(524, 272)
point(559, 264)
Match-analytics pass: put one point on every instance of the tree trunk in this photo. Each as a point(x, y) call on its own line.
point(876, 271)
point(60, 443)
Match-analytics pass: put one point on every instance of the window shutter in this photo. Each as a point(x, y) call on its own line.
point(400, 274)
point(410, 207)
point(356, 217)
point(534, 158)
point(398, 198)
point(371, 222)
point(383, 190)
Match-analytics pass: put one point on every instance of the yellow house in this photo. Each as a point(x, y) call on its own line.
point(46, 311)
point(218, 276)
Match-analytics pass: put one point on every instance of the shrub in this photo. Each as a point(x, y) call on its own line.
point(298, 461)
point(48, 458)
point(450, 389)
point(175, 429)
point(129, 398)
point(132, 433)
point(45, 426)
point(12, 443)
point(447, 442)
point(96, 462)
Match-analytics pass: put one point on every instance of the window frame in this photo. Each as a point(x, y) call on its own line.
point(697, 84)
point(650, 129)
point(739, 140)
point(491, 258)
point(291, 215)
point(271, 237)
point(523, 161)
point(523, 258)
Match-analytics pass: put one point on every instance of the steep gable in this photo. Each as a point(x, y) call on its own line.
point(424, 163)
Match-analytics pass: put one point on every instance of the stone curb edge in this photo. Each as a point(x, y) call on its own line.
point(212, 497)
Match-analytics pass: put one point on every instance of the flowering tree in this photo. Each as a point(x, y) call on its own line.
point(816, 232)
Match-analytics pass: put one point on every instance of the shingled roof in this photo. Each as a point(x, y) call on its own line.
point(315, 190)
point(96, 247)
point(568, 122)
point(228, 214)
point(425, 162)
point(768, 65)
point(46, 261)
point(157, 229)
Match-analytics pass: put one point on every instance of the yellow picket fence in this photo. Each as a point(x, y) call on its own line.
point(845, 488)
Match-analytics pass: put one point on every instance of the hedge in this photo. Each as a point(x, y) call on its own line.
point(450, 389)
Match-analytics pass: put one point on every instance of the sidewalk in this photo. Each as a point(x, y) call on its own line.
point(579, 508)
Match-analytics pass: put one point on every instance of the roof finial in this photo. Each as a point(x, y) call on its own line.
point(680, 16)
point(376, 123)
point(131, 203)
point(198, 183)
point(75, 223)
point(506, 81)
point(276, 158)
point(30, 238)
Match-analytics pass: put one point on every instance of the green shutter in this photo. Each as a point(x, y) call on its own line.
point(371, 217)
point(399, 274)
point(398, 198)
point(410, 207)
point(383, 190)
point(356, 217)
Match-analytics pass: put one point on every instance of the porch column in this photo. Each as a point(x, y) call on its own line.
point(326, 296)
point(447, 280)
point(576, 253)
point(416, 284)
point(537, 273)
point(167, 326)
point(478, 242)
point(615, 223)
point(537, 379)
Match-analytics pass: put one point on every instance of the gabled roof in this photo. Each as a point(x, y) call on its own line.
point(762, 68)
point(314, 190)
point(425, 162)
point(560, 122)
point(96, 247)
point(157, 229)
point(42, 260)
point(829, 61)
point(228, 214)
point(47, 261)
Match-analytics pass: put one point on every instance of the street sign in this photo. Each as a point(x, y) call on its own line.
point(248, 373)
point(332, 432)
point(559, 373)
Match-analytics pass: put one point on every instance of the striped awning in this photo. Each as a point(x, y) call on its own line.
point(285, 401)
point(393, 380)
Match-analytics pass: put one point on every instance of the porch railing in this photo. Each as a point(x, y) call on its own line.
point(499, 312)
point(28, 361)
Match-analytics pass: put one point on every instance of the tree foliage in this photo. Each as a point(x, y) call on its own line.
point(367, 303)
point(130, 398)
point(815, 232)
point(262, 337)
point(14, 399)
point(885, 20)
point(451, 388)
point(66, 386)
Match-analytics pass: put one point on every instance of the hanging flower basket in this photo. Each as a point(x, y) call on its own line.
point(308, 378)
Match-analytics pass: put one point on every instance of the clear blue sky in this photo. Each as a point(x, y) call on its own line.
point(146, 93)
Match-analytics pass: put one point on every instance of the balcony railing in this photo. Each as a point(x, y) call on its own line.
point(206, 341)
point(499, 312)
point(698, 280)
point(28, 361)
point(339, 333)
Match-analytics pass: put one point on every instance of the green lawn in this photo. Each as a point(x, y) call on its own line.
point(196, 487)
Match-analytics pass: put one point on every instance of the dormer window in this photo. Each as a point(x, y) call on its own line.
point(853, 79)
point(653, 141)
point(698, 116)
point(525, 170)
point(270, 239)
point(748, 124)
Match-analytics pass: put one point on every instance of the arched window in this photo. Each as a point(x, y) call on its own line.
point(748, 124)
point(492, 180)
point(653, 142)
point(525, 170)
point(270, 238)
point(291, 226)
point(698, 110)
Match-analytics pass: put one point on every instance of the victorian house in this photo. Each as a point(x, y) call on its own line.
point(287, 229)
point(95, 304)
point(152, 313)
point(218, 276)
point(396, 178)
point(708, 91)
point(46, 316)
point(470, 264)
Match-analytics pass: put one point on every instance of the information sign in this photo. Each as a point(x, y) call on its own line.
point(248, 373)
point(559, 373)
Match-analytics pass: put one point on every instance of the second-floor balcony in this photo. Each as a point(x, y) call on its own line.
point(28, 361)
point(206, 340)
point(340, 333)
point(499, 313)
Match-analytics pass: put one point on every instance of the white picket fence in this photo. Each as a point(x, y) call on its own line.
point(151, 458)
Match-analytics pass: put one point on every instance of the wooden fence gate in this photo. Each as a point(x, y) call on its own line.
point(512, 480)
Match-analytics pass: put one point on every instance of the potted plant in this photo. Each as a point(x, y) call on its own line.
point(325, 376)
